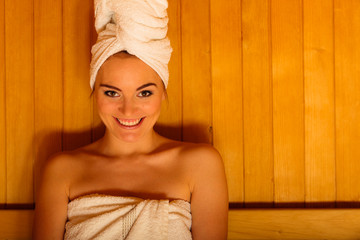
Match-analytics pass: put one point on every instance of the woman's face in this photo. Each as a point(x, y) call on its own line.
point(128, 94)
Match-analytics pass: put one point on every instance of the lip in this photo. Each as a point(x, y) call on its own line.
point(130, 127)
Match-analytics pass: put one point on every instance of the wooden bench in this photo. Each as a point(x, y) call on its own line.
point(243, 224)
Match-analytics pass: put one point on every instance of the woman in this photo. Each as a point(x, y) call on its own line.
point(132, 183)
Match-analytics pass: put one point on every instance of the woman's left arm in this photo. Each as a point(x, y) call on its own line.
point(209, 198)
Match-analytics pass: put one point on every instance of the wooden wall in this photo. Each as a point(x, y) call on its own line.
point(274, 85)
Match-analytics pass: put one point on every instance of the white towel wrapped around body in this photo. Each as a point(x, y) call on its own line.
point(114, 217)
point(138, 27)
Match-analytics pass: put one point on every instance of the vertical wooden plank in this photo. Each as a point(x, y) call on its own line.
point(319, 103)
point(288, 101)
point(258, 146)
point(48, 80)
point(77, 102)
point(2, 107)
point(19, 100)
point(347, 85)
point(197, 104)
point(98, 128)
point(170, 120)
point(227, 91)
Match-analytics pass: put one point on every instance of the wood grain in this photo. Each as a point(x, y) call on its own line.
point(319, 102)
point(48, 80)
point(288, 100)
point(77, 102)
point(258, 145)
point(19, 100)
point(300, 224)
point(2, 107)
point(98, 128)
point(227, 91)
point(196, 71)
point(170, 121)
point(347, 92)
point(259, 224)
point(274, 85)
point(16, 224)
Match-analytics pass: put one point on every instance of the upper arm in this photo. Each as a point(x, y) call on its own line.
point(51, 200)
point(209, 198)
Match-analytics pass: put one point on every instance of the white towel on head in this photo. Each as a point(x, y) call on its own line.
point(136, 26)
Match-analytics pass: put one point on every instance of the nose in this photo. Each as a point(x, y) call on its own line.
point(127, 107)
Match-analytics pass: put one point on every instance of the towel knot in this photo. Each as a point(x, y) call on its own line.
point(136, 26)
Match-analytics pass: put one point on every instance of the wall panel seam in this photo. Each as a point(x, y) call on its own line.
point(34, 96)
point(242, 98)
point(62, 75)
point(179, 30)
point(92, 108)
point(271, 95)
point(304, 102)
point(5, 118)
point(334, 92)
point(181, 68)
point(211, 130)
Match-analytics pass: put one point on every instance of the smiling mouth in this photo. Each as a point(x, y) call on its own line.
point(130, 122)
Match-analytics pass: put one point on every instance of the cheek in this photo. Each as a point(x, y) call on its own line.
point(153, 107)
point(103, 105)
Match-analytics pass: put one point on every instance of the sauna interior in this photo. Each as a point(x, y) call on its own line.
point(274, 85)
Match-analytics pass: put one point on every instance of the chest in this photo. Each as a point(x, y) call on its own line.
point(145, 177)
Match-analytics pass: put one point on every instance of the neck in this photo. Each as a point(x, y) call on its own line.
point(112, 146)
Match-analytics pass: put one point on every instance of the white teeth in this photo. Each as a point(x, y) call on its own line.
point(129, 123)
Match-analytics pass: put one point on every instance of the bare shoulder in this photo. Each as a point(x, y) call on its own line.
point(67, 159)
point(201, 160)
point(61, 167)
point(193, 151)
point(52, 195)
point(208, 187)
point(200, 156)
point(60, 162)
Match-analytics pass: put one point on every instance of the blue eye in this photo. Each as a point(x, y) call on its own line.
point(111, 93)
point(145, 93)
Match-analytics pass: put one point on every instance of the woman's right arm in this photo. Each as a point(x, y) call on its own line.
point(51, 200)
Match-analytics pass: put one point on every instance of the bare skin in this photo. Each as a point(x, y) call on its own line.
point(134, 161)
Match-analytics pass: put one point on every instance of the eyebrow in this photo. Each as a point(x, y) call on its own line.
point(146, 85)
point(139, 88)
